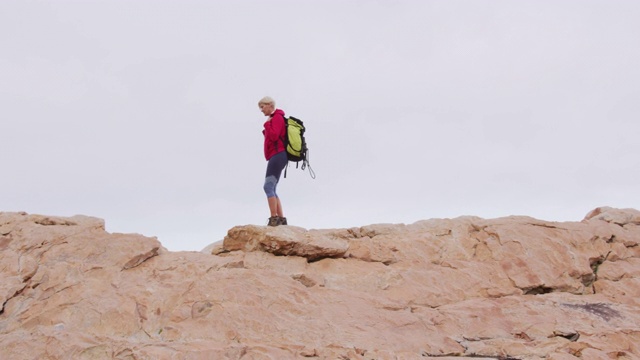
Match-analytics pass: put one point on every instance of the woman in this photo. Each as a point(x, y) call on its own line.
point(274, 152)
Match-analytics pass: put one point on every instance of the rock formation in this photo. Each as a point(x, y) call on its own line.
point(507, 288)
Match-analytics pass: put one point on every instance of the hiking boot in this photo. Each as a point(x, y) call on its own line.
point(283, 221)
point(274, 221)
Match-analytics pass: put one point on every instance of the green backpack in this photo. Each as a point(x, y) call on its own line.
point(296, 144)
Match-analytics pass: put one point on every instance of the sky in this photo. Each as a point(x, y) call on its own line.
point(144, 113)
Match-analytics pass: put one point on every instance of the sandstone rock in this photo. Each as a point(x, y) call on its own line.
point(508, 288)
point(620, 217)
point(285, 240)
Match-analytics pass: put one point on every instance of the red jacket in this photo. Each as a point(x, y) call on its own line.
point(274, 134)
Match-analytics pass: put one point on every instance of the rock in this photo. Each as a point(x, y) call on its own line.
point(620, 217)
point(285, 240)
point(507, 288)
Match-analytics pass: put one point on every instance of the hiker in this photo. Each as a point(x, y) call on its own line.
point(274, 152)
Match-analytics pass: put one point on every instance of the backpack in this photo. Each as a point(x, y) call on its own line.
point(296, 144)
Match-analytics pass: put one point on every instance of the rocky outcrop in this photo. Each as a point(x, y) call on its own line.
point(507, 288)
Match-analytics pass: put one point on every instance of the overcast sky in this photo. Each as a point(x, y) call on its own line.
point(144, 113)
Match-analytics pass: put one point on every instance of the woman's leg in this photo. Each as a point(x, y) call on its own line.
point(273, 205)
point(274, 169)
point(279, 210)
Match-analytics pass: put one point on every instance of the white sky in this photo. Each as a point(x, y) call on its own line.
point(144, 113)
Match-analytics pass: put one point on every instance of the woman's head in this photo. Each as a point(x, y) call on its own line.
point(267, 105)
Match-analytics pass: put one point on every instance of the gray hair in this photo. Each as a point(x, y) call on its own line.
point(267, 101)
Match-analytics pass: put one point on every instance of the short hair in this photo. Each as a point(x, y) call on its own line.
point(267, 101)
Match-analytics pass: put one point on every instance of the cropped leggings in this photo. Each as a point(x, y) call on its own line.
point(274, 169)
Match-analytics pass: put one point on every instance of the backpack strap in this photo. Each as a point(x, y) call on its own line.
point(284, 140)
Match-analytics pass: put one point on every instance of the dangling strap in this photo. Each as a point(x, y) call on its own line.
point(311, 172)
point(305, 164)
point(285, 170)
